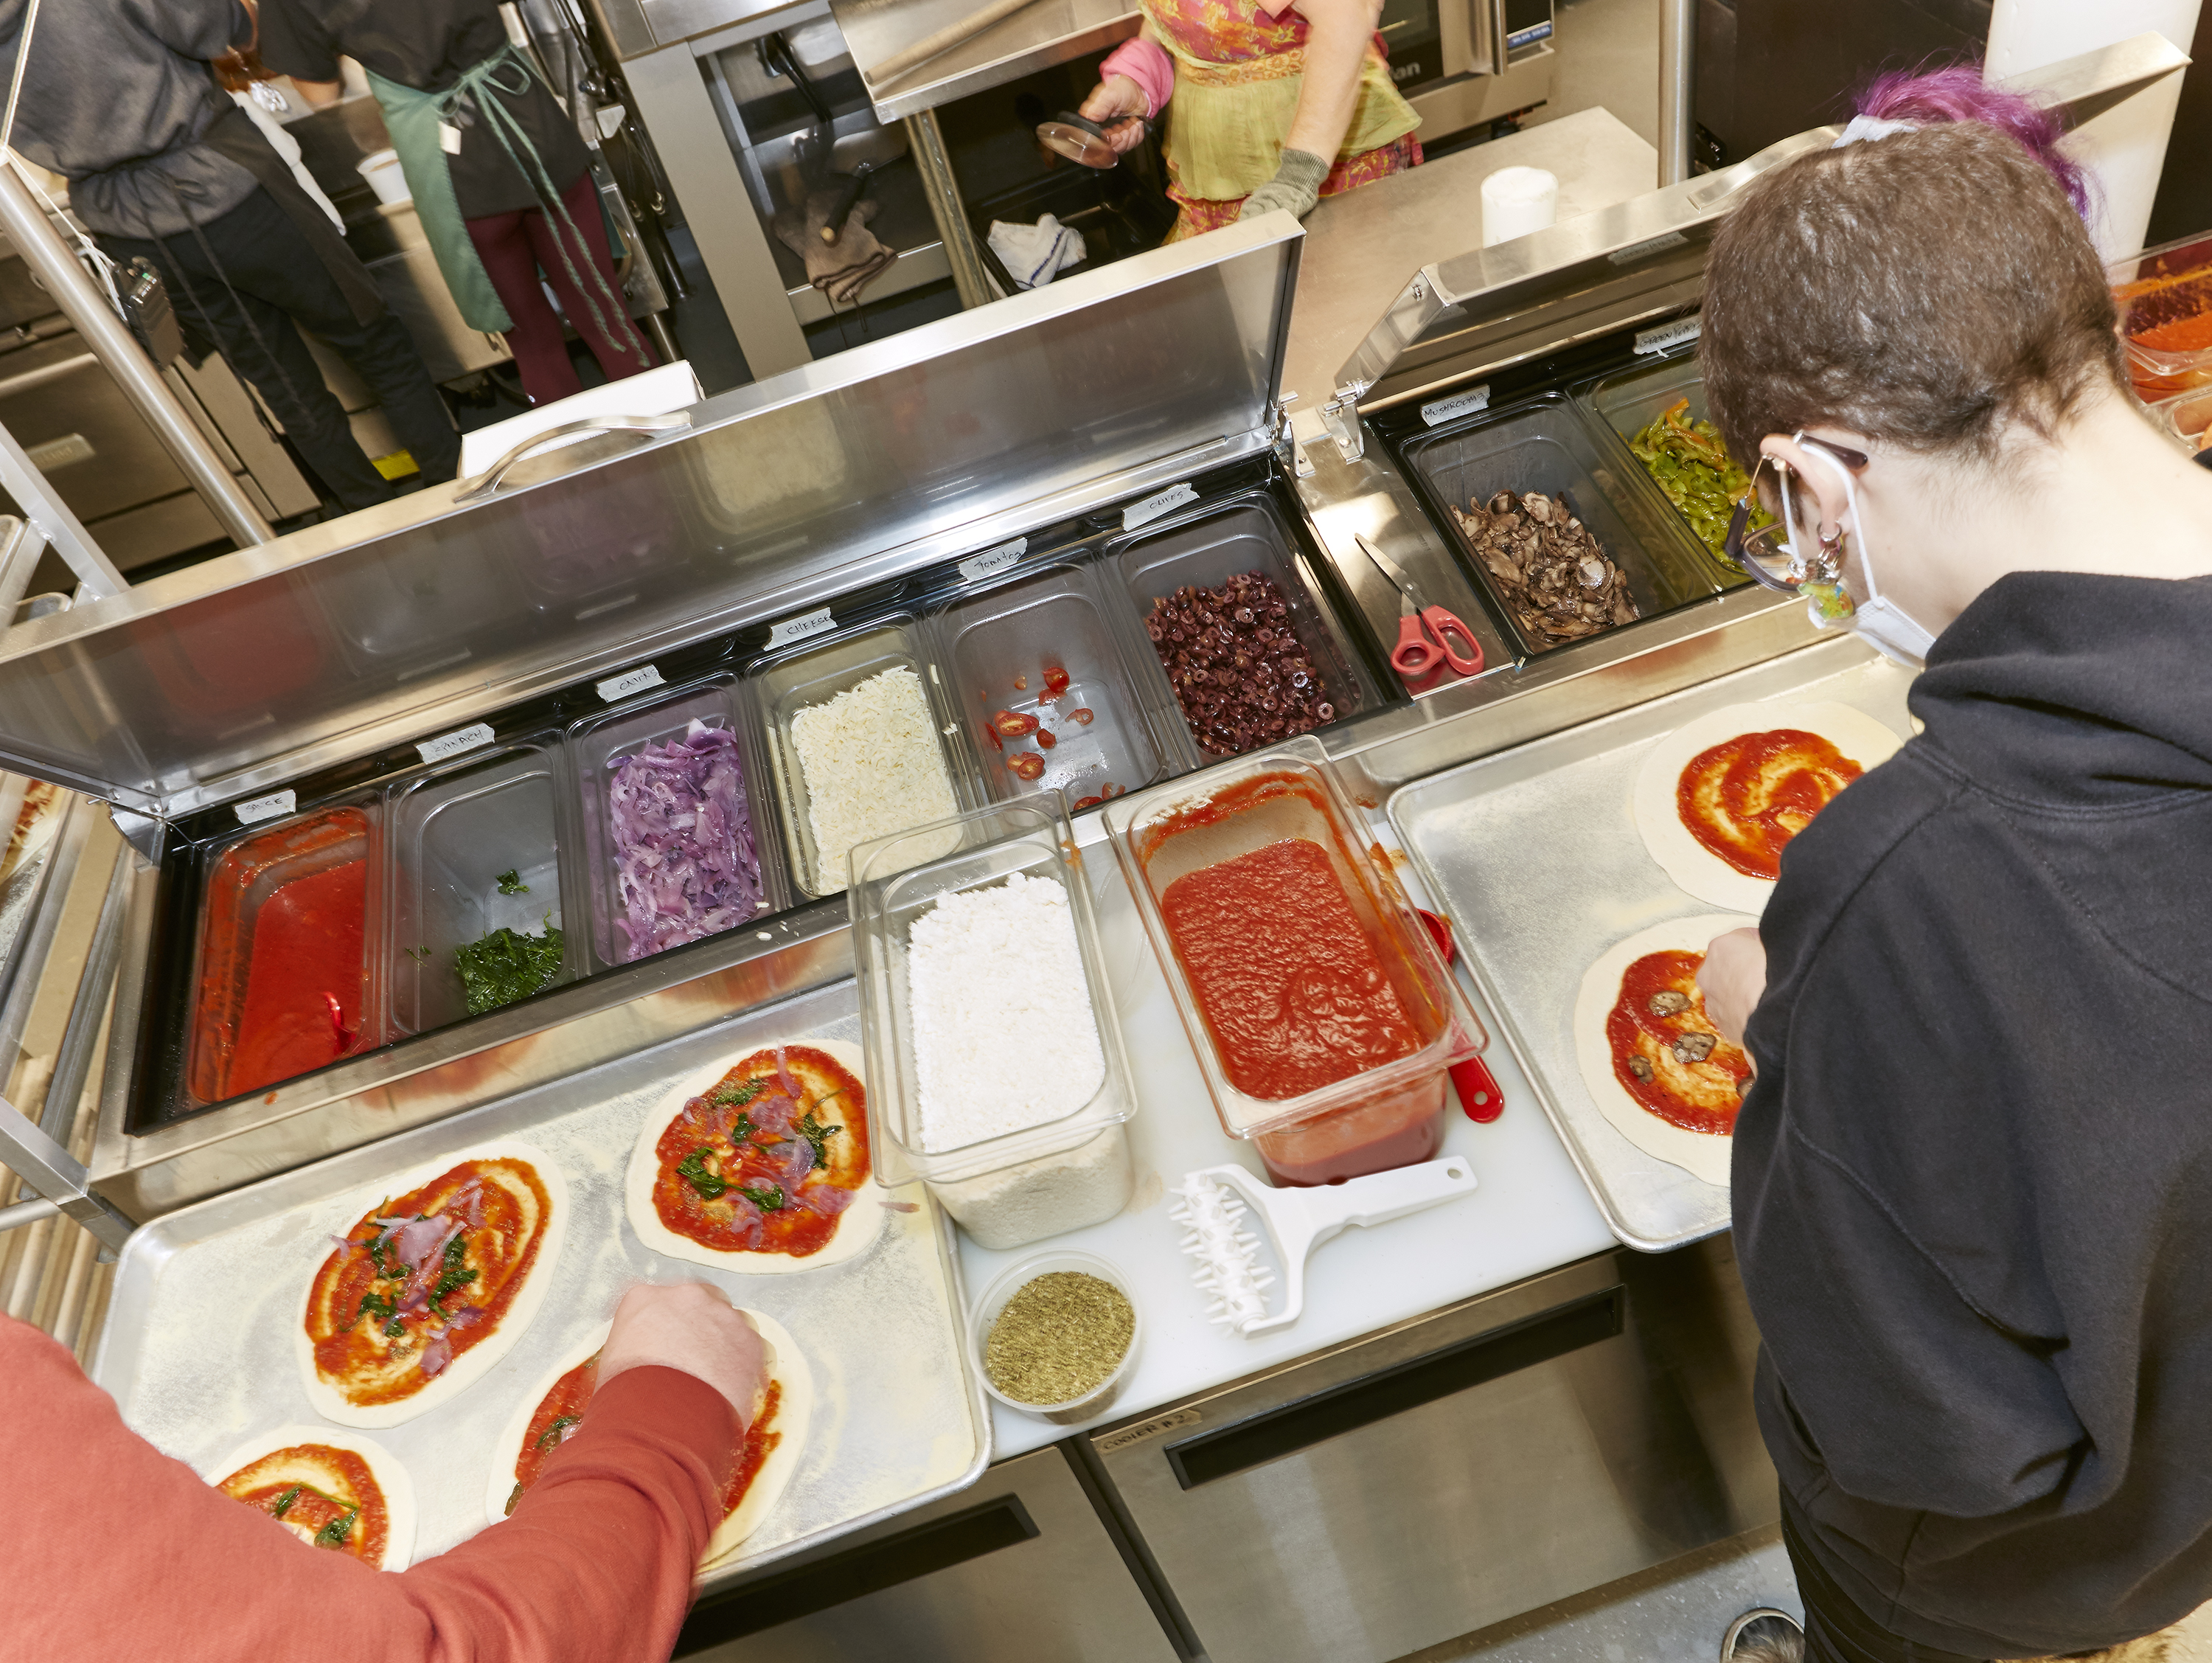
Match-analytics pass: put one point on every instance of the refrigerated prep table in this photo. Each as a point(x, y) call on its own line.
point(1069, 448)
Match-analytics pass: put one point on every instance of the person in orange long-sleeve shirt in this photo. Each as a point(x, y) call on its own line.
point(112, 1549)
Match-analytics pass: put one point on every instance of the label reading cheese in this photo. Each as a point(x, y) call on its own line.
point(993, 560)
point(454, 744)
point(1160, 502)
point(800, 629)
point(1459, 404)
point(267, 808)
point(629, 682)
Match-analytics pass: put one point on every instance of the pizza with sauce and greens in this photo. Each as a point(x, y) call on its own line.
point(428, 1287)
point(340, 1494)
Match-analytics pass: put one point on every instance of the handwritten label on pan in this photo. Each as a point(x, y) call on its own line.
point(267, 808)
point(1160, 502)
point(993, 560)
point(630, 681)
point(454, 744)
point(1439, 410)
point(800, 629)
point(1637, 251)
point(1668, 336)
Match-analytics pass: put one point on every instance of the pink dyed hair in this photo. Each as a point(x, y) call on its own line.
point(1955, 93)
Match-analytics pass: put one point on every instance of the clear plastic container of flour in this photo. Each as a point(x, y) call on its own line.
point(1019, 1187)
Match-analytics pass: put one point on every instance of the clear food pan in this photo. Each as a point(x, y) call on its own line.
point(2165, 300)
point(1544, 445)
point(1627, 404)
point(283, 978)
point(860, 754)
point(1054, 1165)
point(1267, 1041)
point(1006, 650)
point(474, 864)
point(1205, 552)
point(753, 885)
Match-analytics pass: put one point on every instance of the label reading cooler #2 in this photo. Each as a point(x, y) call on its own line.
point(455, 743)
point(800, 629)
point(993, 560)
point(266, 808)
point(1160, 502)
point(629, 682)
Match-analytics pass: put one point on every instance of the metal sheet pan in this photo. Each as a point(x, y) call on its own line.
point(1535, 855)
point(197, 1347)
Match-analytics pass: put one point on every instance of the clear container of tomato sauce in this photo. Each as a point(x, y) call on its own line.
point(284, 979)
point(1323, 1018)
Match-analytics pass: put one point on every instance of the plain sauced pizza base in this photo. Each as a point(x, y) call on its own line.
point(391, 1477)
point(471, 1365)
point(1695, 869)
point(857, 1225)
point(1702, 1154)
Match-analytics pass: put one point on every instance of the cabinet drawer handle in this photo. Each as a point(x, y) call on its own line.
point(1275, 1433)
point(937, 1545)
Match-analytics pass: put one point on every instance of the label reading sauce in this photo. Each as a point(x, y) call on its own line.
point(1160, 502)
point(457, 743)
point(266, 808)
point(993, 560)
point(801, 629)
point(631, 681)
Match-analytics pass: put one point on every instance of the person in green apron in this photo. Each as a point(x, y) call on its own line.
point(501, 180)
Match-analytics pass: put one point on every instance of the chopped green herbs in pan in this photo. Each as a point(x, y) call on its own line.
point(510, 883)
point(504, 967)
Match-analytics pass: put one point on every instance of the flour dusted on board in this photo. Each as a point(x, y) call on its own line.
point(873, 766)
point(1004, 1036)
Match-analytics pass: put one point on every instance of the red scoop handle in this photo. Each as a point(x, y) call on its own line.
point(1478, 1091)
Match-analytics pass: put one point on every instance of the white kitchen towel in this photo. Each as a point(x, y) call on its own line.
point(1035, 254)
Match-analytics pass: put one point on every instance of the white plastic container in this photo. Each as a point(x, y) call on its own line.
point(1517, 201)
point(381, 170)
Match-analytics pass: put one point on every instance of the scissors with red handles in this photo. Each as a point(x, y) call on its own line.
point(1417, 654)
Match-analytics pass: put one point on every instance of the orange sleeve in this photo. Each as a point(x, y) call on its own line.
point(114, 1549)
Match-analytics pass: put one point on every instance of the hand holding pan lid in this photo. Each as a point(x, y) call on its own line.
point(1080, 139)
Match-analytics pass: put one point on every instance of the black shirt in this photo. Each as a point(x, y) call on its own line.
point(429, 44)
point(1973, 1182)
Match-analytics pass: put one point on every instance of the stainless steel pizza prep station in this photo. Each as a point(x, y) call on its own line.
point(199, 1351)
point(1535, 910)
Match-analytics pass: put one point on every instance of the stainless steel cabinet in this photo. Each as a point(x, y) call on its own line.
point(1455, 1471)
point(1018, 1569)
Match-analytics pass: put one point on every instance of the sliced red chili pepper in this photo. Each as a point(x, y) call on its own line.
point(1056, 681)
point(1014, 724)
point(1089, 802)
point(1080, 715)
point(1046, 739)
point(1026, 764)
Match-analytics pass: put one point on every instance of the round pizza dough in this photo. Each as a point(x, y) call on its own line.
point(477, 1361)
point(1703, 1155)
point(786, 1366)
point(391, 1477)
point(1695, 868)
point(857, 1225)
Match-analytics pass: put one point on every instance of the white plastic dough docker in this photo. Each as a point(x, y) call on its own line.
point(1213, 1204)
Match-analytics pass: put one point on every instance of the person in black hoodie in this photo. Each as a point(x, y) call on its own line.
point(1973, 1180)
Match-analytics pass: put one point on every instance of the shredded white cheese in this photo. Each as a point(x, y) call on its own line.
point(1004, 1037)
point(871, 767)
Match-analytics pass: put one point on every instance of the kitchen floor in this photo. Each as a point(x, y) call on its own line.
point(1678, 1611)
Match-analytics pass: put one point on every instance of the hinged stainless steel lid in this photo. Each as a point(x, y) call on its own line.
point(1481, 311)
point(253, 668)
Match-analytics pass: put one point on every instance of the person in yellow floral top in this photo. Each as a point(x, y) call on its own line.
point(1275, 104)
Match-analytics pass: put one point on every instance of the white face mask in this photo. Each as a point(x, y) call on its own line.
point(1887, 626)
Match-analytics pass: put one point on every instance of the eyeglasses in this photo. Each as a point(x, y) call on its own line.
point(1767, 553)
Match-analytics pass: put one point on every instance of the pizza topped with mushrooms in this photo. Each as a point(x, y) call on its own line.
point(1667, 1054)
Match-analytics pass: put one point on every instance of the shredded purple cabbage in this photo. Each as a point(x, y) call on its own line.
point(685, 854)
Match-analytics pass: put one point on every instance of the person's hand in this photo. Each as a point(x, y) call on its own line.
point(1732, 978)
point(1112, 100)
point(690, 1327)
point(1296, 188)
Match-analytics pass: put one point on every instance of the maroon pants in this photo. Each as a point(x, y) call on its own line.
point(514, 247)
